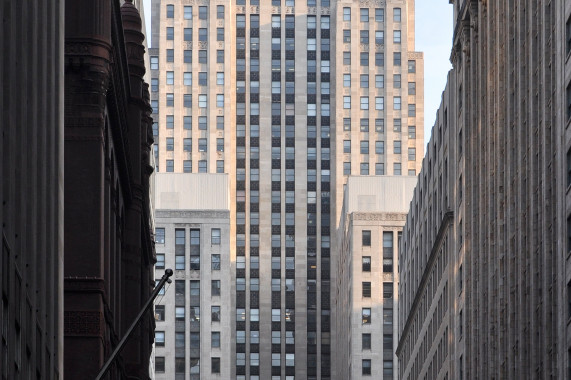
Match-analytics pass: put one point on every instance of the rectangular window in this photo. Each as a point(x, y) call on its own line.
point(194, 339)
point(364, 81)
point(397, 147)
point(346, 14)
point(188, 12)
point(412, 66)
point(215, 366)
point(388, 265)
point(379, 59)
point(388, 342)
point(159, 313)
point(194, 288)
point(220, 100)
point(387, 319)
point(187, 79)
point(170, 55)
point(379, 81)
point(219, 166)
point(379, 14)
point(396, 81)
point(366, 237)
point(364, 102)
point(179, 366)
point(366, 370)
point(220, 34)
point(412, 154)
point(170, 33)
point(215, 313)
point(154, 84)
point(215, 339)
point(179, 313)
point(219, 56)
point(195, 249)
point(347, 124)
point(187, 122)
point(346, 168)
point(170, 143)
point(170, 100)
point(380, 125)
point(347, 36)
point(379, 37)
point(379, 147)
point(397, 15)
point(202, 166)
point(347, 102)
point(170, 11)
point(366, 341)
point(187, 144)
point(159, 364)
point(397, 168)
point(220, 12)
point(202, 56)
point(170, 121)
point(215, 288)
point(364, 58)
point(568, 35)
point(364, 168)
point(364, 14)
point(347, 82)
point(170, 166)
point(387, 369)
point(215, 262)
point(396, 36)
point(366, 290)
point(412, 110)
point(154, 63)
point(379, 103)
point(187, 166)
point(366, 263)
point(160, 261)
point(412, 88)
point(202, 101)
point(202, 13)
point(346, 146)
point(387, 290)
point(364, 123)
point(187, 34)
point(366, 315)
point(364, 36)
point(347, 59)
point(412, 132)
point(397, 103)
point(187, 56)
point(187, 100)
point(364, 146)
point(159, 338)
point(396, 59)
point(379, 168)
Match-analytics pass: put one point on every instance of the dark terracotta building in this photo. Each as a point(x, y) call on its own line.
point(109, 251)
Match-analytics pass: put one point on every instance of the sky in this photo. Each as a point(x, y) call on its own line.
point(433, 37)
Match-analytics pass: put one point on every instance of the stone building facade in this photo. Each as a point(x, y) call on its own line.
point(109, 250)
point(366, 291)
point(494, 306)
point(195, 316)
point(31, 172)
point(289, 98)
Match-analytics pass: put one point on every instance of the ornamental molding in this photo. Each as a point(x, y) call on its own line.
point(379, 216)
point(83, 323)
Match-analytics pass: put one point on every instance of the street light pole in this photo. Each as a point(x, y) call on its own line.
point(164, 279)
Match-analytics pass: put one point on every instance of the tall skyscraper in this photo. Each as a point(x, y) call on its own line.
point(289, 98)
point(485, 280)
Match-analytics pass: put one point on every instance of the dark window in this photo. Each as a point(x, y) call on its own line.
point(215, 288)
point(159, 364)
point(366, 264)
point(396, 59)
point(170, 166)
point(170, 11)
point(188, 56)
point(215, 365)
point(387, 369)
point(366, 289)
point(366, 367)
point(170, 33)
point(188, 34)
point(366, 341)
point(195, 249)
point(202, 13)
point(160, 235)
point(215, 313)
point(366, 238)
point(387, 290)
point(220, 12)
point(412, 66)
point(159, 312)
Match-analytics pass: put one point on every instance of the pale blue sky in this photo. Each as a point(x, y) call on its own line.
point(433, 37)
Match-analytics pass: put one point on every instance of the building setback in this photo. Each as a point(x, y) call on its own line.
point(289, 98)
point(109, 250)
point(31, 168)
point(484, 262)
point(195, 318)
point(374, 212)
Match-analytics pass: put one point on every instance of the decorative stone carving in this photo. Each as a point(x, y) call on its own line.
point(83, 323)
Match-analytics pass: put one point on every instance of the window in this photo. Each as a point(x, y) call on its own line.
point(220, 12)
point(215, 313)
point(160, 261)
point(364, 168)
point(215, 236)
point(396, 36)
point(194, 288)
point(347, 102)
point(170, 11)
point(219, 34)
point(379, 14)
point(202, 145)
point(397, 147)
point(397, 103)
point(366, 367)
point(170, 33)
point(387, 290)
point(160, 235)
point(364, 102)
point(366, 315)
point(188, 13)
point(387, 319)
point(347, 61)
point(411, 154)
point(412, 66)
point(397, 168)
point(202, 56)
point(187, 100)
point(187, 144)
point(215, 288)
point(379, 103)
point(396, 15)
point(215, 365)
point(388, 342)
point(412, 132)
point(379, 147)
point(187, 34)
point(188, 56)
point(202, 13)
point(379, 168)
point(159, 364)
point(387, 265)
point(202, 101)
point(159, 313)
point(202, 78)
point(569, 101)
point(215, 339)
point(366, 238)
point(179, 313)
point(412, 88)
point(364, 14)
point(346, 168)
point(154, 63)
point(202, 124)
point(219, 166)
point(179, 365)
point(365, 148)
point(346, 146)
point(397, 81)
point(364, 59)
point(364, 36)
point(170, 55)
point(364, 81)
point(187, 79)
point(387, 369)
point(187, 166)
point(366, 341)
point(568, 35)
point(412, 110)
point(179, 288)
point(254, 315)
point(220, 100)
point(170, 100)
point(380, 125)
point(397, 124)
point(202, 166)
point(346, 35)
point(254, 359)
point(366, 289)
point(219, 56)
point(366, 263)
point(364, 125)
point(154, 84)
point(379, 37)
point(159, 338)
point(215, 262)
point(170, 166)
point(346, 14)
point(396, 59)
point(194, 340)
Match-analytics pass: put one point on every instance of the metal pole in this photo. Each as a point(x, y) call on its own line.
point(105, 368)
